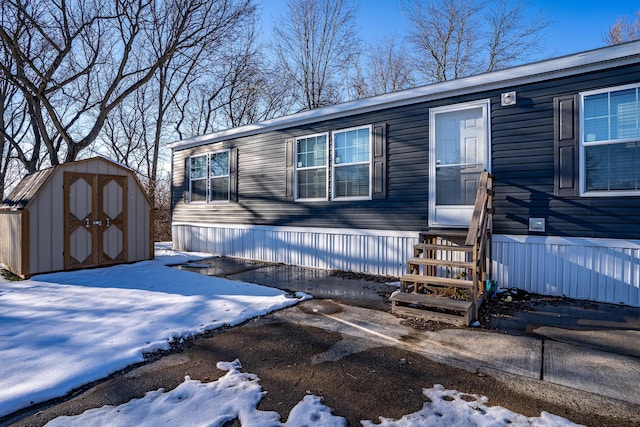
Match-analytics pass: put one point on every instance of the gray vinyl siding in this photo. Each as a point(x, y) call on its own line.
point(522, 162)
point(523, 166)
point(261, 180)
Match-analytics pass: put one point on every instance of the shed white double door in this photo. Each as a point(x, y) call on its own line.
point(458, 153)
point(95, 226)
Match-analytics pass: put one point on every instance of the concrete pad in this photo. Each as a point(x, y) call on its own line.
point(468, 349)
point(518, 355)
point(625, 342)
point(595, 371)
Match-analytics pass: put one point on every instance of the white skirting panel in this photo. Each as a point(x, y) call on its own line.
point(382, 252)
point(604, 270)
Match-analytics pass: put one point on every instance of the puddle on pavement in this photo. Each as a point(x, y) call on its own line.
point(319, 306)
point(321, 284)
point(220, 266)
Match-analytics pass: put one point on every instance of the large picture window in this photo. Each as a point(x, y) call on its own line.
point(352, 163)
point(311, 167)
point(610, 141)
point(209, 177)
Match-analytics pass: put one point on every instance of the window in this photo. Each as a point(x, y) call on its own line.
point(311, 167)
point(198, 179)
point(610, 141)
point(344, 161)
point(352, 163)
point(209, 177)
point(219, 176)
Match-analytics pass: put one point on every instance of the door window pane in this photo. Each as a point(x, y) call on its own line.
point(457, 185)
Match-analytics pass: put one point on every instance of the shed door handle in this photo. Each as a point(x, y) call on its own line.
point(86, 223)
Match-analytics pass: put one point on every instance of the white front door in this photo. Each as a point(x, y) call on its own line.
point(458, 153)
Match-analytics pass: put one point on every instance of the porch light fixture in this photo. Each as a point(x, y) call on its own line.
point(508, 98)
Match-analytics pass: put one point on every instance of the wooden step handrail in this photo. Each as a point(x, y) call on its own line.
point(481, 208)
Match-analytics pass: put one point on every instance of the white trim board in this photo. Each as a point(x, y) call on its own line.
point(341, 231)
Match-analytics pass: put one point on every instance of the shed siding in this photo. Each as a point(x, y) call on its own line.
point(11, 224)
point(47, 230)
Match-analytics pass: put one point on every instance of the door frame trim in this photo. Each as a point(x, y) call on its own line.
point(485, 104)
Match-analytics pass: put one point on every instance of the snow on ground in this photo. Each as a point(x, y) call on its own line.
point(60, 331)
point(236, 396)
point(63, 330)
point(168, 256)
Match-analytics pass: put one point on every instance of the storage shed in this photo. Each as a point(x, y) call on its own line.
point(88, 213)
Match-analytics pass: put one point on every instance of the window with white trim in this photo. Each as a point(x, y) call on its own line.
point(352, 163)
point(209, 177)
point(311, 167)
point(610, 141)
point(198, 179)
point(219, 177)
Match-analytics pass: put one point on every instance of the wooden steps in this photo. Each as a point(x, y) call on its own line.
point(436, 247)
point(446, 275)
point(440, 263)
point(440, 309)
point(437, 281)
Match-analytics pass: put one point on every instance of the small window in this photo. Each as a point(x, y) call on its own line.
point(610, 141)
point(311, 167)
point(198, 179)
point(352, 163)
point(219, 176)
point(209, 177)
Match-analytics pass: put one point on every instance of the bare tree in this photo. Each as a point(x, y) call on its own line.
point(457, 38)
point(75, 61)
point(512, 36)
point(237, 86)
point(255, 91)
point(386, 68)
point(623, 30)
point(315, 43)
point(443, 33)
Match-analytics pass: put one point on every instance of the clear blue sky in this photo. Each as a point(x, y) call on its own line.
point(575, 25)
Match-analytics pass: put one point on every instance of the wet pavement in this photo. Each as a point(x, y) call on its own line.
point(354, 289)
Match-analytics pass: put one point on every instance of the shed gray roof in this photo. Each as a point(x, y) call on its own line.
point(31, 184)
point(26, 189)
point(593, 60)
